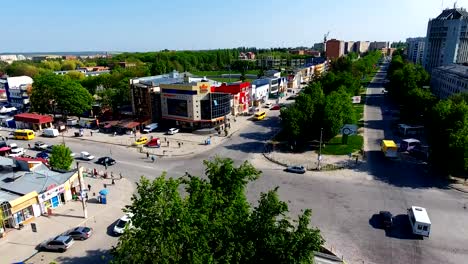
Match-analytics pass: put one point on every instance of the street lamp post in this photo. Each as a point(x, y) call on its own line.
point(319, 158)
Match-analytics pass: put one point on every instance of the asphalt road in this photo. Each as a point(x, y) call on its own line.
point(343, 202)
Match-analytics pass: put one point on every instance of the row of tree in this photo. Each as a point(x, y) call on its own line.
point(213, 222)
point(31, 69)
point(446, 121)
point(326, 101)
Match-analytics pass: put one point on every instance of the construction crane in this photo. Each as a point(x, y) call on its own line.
point(325, 37)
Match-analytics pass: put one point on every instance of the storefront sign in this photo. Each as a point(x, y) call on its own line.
point(204, 88)
point(51, 193)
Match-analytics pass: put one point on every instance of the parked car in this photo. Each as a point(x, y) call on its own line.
point(386, 219)
point(106, 160)
point(50, 132)
point(86, 156)
point(276, 107)
point(123, 222)
point(59, 243)
point(141, 141)
point(49, 148)
point(173, 131)
point(150, 128)
point(81, 232)
point(42, 155)
point(296, 169)
point(15, 151)
point(39, 145)
point(154, 143)
point(267, 105)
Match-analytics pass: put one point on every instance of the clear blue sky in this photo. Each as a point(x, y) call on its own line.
point(144, 25)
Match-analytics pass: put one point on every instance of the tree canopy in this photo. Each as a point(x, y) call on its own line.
point(213, 222)
point(52, 93)
point(61, 157)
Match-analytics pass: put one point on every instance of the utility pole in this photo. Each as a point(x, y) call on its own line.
point(319, 158)
point(83, 202)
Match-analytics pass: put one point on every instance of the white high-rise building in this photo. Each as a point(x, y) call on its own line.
point(446, 39)
point(415, 49)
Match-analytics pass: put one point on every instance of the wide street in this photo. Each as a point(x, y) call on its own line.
point(343, 201)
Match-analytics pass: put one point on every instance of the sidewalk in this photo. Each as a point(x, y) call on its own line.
point(19, 245)
point(459, 184)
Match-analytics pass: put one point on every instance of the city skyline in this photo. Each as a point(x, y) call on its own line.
point(56, 26)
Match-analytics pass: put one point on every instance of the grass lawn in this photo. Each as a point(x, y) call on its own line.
point(334, 146)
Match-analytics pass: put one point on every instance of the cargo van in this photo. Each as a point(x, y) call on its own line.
point(420, 222)
point(389, 148)
point(50, 132)
point(150, 128)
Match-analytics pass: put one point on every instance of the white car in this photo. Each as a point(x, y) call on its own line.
point(123, 222)
point(86, 156)
point(267, 105)
point(173, 131)
point(16, 152)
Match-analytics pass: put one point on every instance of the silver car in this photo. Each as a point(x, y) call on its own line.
point(59, 243)
point(81, 232)
point(296, 169)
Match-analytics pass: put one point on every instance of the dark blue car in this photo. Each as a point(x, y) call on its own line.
point(42, 155)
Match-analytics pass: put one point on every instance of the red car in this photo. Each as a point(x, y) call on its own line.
point(275, 107)
point(154, 143)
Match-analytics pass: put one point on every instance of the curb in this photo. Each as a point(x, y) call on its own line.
point(452, 186)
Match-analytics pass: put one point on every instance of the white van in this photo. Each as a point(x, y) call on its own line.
point(150, 128)
point(50, 132)
point(419, 220)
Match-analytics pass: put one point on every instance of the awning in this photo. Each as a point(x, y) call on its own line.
point(131, 125)
point(23, 199)
point(3, 149)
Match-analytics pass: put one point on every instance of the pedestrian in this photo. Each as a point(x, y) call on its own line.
point(179, 144)
point(120, 174)
point(95, 172)
point(29, 146)
point(168, 144)
point(86, 197)
point(165, 139)
point(147, 154)
point(89, 187)
point(153, 159)
point(112, 175)
point(357, 157)
point(105, 165)
point(91, 133)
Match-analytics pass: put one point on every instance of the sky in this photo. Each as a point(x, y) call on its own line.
point(145, 25)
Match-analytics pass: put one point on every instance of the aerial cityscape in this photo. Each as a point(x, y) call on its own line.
point(243, 132)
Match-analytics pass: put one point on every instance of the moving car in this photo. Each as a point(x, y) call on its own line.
point(173, 131)
point(267, 105)
point(276, 107)
point(59, 243)
point(15, 151)
point(106, 160)
point(141, 141)
point(42, 155)
point(86, 156)
point(260, 115)
point(154, 143)
point(389, 148)
point(296, 169)
point(50, 132)
point(386, 219)
point(419, 220)
point(81, 233)
point(39, 145)
point(123, 222)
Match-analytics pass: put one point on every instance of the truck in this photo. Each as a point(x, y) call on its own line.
point(389, 148)
point(419, 220)
point(50, 132)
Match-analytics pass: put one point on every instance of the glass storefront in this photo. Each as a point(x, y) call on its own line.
point(23, 215)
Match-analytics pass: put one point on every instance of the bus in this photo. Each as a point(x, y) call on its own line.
point(420, 222)
point(24, 134)
point(260, 115)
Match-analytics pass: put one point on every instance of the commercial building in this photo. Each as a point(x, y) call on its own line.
point(29, 189)
point(240, 92)
point(247, 56)
point(33, 121)
point(16, 89)
point(361, 46)
point(446, 39)
point(334, 48)
point(415, 49)
point(319, 46)
point(449, 79)
point(260, 91)
point(194, 105)
point(379, 45)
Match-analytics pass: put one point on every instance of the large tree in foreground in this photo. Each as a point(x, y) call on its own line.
point(212, 222)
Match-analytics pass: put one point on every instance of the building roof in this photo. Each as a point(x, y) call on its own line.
point(19, 80)
point(33, 118)
point(8, 196)
point(23, 182)
point(457, 69)
point(454, 13)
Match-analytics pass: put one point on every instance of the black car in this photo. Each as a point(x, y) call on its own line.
point(386, 219)
point(106, 161)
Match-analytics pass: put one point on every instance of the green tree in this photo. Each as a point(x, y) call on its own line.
point(68, 65)
point(213, 222)
point(20, 68)
point(61, 157)
point(76, 75)
point(51, 65)
point(338, 111)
